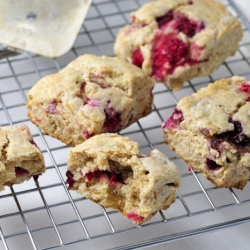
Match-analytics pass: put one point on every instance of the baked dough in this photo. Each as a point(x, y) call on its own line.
point(92, 95)
point(174, 41)
point(210, 130)
point(110, 170)
point(20, 158)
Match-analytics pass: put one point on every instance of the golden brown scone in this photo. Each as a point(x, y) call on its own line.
point(110, 170)
point(91, 95)
point(176, 40)
point(20, 158)
point(210, 130)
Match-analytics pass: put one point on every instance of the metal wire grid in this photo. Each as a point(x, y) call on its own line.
point(44, 214)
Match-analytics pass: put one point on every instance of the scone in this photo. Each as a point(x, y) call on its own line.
point(20, 158)
point(176, 40)
point(92, 95)
point(210, 130)
point(110, 170)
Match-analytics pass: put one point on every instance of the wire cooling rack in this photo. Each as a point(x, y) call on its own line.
point(45, 215)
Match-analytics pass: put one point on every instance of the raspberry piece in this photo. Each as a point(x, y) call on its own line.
point(112, 177)
point(212, 165)
point(35, 177)
point(164, 20)
point(135, 217)
point(92, 102)
point(52, 107)
point(168, 53)
point(217, 144)
point(33, 143)
point(82, 88)
point(196, 52)
point(102, 84)
point(86, 134)
point(20, 171)
point(174, 120)
point(37, 119)
point(91, 175)
point(188, 27)
point(113, 120)
point(141, 156)
point(246, 88)
point(236, 136)
point(115, 178)
point(99, 79)
point(70, 180)
point(137, 58)
point(181, 23)
point(176, 51)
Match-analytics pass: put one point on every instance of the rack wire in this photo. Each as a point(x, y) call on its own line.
point(43, 214)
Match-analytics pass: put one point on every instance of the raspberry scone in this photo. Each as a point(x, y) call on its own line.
point(92, 95)
point(20, 158)
point(176, 40)
point(110, 170)
point(210, 130)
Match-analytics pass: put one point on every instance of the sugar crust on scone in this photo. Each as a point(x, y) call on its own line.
point(210, 130)
point(110, 170)
point(91, 95)
point(20, 158)
point(176, 40)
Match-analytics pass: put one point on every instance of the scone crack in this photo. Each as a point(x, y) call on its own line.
point(172, 184)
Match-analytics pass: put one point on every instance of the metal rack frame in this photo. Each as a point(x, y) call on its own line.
point(49, 195)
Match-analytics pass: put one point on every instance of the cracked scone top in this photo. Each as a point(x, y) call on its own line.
point(210, 130)
point(110, 170)
point(20, 158)
point(91, 95)
point(176, 40)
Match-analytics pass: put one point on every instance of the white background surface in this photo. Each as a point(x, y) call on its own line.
point(244, 6)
